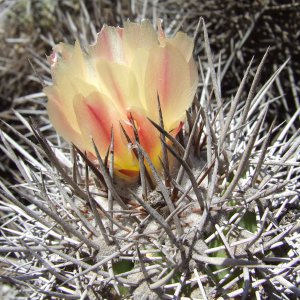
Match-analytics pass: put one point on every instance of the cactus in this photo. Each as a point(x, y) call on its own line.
point(221, 224)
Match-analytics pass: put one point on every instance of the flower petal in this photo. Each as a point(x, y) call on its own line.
point(94, 120)
point(96, 117)
point(138, 36)
point(138, 67)
point(59, 119)
point(149, 136)
point(68, 88)
point(184, 43)
point(69, 54)
point(118, 82)
point(109, 45)
point(72, 75)
point(169, 76)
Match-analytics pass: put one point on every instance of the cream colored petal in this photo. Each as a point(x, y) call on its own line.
point(183, 43)
point(65, 50)
point(71, 60)
point(68, 88)
point(138, 36)
point(169, 75)
point(109, 45)
point(194, 78)
point(76, 66)
point(60, 51)
point(138, 67)
point(119, 83)
point(59, 119)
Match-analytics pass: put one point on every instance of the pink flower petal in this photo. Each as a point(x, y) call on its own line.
point(148, 136)
point(96, 117)
point(169, 76)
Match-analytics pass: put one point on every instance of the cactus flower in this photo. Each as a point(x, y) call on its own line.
point(118, 79)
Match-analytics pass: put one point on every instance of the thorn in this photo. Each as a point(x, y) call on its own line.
point(165, 160)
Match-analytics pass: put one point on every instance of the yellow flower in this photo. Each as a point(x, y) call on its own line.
point(98, 88)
